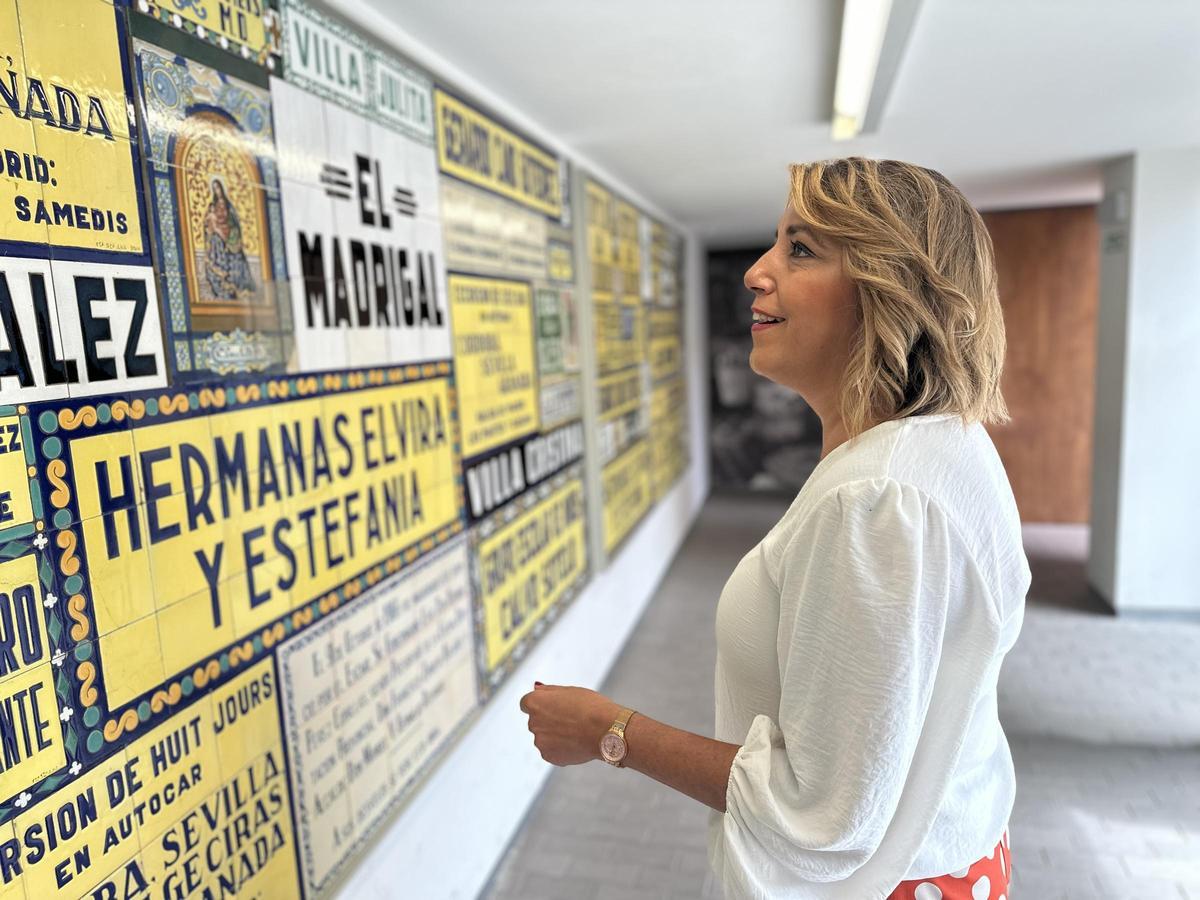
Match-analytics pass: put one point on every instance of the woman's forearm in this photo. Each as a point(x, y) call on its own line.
point(689, 763)
point(568, 722)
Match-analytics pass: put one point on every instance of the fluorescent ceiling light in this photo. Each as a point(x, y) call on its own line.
point(874, 34)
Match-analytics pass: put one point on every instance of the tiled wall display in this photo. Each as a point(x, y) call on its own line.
point(214, 193)
point(510, 251)
point(247, 28)
point(78, 298)
point(359, 179)
point(353, 683)
point(291, 434)
point(662, 288)
point(636, 278)
point(619, 321)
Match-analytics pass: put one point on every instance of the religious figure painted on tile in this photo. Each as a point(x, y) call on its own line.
point(225, 266)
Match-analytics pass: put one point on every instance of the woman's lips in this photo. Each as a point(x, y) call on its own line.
point(763, 319)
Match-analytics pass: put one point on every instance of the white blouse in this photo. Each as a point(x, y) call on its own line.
point(858, 648)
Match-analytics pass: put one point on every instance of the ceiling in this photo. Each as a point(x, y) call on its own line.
point(700, 104)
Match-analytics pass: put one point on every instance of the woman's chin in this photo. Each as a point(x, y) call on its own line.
point(761, 364)
point(758, 365)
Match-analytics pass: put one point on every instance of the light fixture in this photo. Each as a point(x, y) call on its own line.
point(874, 35)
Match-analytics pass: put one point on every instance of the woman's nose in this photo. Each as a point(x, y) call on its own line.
point(758, 280)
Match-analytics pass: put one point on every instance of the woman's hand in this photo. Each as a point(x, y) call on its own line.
point(568, 722)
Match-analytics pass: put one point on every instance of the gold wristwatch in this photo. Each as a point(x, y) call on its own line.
point(612, 746)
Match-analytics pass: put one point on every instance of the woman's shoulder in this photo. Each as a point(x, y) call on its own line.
point(911, 487)
point(944, 459)
point(925, 460)
point(937, 460)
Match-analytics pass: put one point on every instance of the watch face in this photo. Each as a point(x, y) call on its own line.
point(612, 747)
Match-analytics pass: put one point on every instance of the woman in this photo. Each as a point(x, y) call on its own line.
point(225, 265)
point(858, 751)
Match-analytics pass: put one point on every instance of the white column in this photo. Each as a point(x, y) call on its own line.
point(1145, 551)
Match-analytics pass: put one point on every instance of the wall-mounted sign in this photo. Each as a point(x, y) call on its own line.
point(247, 28)
point(371, 695)
point(363, 237)
point(215, 196)
point(323, 56)
point(77, 329)
point(197, 806)
point(481, 151)
point(495, 362)
point(69, 168)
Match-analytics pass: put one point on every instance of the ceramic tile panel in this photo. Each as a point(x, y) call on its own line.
point(217, 214)
point(248, 31)
point(636, 265)
point(78, 329)
point(91, 827)
point(74, 88)
point(369, 272)
point(359, 731)
point(529, 560)
point(88, 321)
point(662, 285)
point(509, 244)
point(265, 451)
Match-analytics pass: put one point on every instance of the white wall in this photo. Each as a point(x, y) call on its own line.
point(449, 838)
point(1146, 483)
point(1111, 328)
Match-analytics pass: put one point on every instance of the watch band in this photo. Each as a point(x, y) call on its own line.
point(618, 728)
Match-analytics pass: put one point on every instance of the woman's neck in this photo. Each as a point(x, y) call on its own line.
point(833, 435)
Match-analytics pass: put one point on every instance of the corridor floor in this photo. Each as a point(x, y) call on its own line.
point(1103, 716)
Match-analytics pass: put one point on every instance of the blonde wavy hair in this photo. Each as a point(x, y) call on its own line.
point(931, 335)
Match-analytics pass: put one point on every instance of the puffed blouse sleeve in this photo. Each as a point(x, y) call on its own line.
point(865, 586)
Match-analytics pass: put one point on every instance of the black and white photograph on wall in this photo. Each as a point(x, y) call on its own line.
point(764, 436)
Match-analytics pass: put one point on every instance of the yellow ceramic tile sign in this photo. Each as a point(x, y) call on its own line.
point(620, 394)
point(478, 150)
point(65, 129)
point(188, 810)
point(628, 244)
point(495, 361)
point(626, 489)
point(600, 240)
point(619, 332)
point(241, 21)
point(15, 506)
point(665, 351)
point(31, 744)
point(668, 447)
point(560, 263)
point(243, 515)
point(527, 565)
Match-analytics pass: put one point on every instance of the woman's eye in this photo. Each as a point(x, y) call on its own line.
point(800, 251)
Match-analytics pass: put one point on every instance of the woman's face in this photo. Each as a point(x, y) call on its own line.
point(799, 281)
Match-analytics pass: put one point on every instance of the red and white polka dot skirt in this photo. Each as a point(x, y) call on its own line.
point(984, 880)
